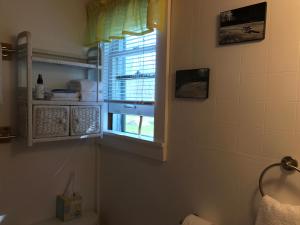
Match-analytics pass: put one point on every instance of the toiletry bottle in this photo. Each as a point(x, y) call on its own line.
point(39, 88)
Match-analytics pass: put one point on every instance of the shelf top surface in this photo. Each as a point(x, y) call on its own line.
point(51, 57)
point(69, 103)
point(63, 61)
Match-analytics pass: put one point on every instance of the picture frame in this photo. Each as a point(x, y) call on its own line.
point(243, 24)
point(192, 83)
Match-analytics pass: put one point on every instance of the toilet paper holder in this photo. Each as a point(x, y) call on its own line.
point(181, 221)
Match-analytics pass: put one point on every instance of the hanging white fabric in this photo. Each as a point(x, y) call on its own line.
point(1, 74)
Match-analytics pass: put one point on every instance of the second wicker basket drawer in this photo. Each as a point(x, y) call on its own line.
point(85, 120)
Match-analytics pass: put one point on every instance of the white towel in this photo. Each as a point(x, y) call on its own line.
point(87, 96)
point(83, 85)
point(272, 212)
point(195, 220)
point(64, 99)
point(65, 95)
point(1, 68)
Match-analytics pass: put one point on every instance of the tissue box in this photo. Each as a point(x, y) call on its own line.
point(68, 207)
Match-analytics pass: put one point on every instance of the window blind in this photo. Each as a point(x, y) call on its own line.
point(129, 69)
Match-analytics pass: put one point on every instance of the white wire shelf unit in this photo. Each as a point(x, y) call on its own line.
point(29, 58)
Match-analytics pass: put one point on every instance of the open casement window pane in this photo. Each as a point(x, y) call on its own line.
point(129, 66)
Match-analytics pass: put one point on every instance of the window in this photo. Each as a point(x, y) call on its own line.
point(135, 90)
point(129, 71)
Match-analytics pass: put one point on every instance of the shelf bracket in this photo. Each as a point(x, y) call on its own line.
point(7, 51)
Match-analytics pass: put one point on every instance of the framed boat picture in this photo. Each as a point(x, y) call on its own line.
point(243, 24)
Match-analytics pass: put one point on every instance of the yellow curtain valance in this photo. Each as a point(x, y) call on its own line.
point(112, 19)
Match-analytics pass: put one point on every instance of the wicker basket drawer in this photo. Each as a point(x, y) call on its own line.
point(50, 121)
point(85, 120)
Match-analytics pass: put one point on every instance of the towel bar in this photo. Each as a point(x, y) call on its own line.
point(5, 135)
point(287, 163)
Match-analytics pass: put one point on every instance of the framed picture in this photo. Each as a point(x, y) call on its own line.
point(243, 24)
point(192, 83)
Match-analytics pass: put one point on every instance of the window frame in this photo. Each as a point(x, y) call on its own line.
point(156, 147)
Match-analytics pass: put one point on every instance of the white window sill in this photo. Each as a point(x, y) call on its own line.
point(134, 144)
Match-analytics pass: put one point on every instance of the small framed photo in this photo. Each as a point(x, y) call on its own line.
point(243, 24)
point(192, 83)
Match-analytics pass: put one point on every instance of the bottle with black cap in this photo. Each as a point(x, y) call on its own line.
point(39, 88)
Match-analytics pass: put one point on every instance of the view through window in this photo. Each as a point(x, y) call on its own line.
point(129, 68)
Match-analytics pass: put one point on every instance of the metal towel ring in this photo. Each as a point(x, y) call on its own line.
point(287, 163)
